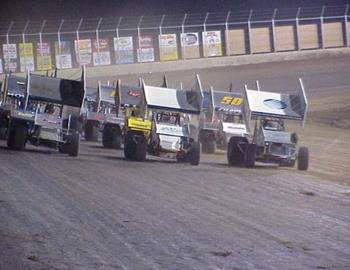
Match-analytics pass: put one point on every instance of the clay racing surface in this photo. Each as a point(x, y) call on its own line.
point(99, 211)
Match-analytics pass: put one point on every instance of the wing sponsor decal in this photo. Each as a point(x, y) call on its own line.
point(275, 104)
point(234, 101)
point(133, 93)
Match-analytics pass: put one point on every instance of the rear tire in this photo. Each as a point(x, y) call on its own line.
point(3, 132)
point(250, 155)
point(73, 147)
point(194, 153)
point(17, 136)
point(141, 149)
point(63, 148)
point(303, 158)
point(3, 129)
point(235, 156)
point(129, 147)
point(111, 137)
point(91, 131)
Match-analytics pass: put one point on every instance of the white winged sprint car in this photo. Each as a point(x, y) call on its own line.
point(166, 126)
point(269, 141)
point(49, 114)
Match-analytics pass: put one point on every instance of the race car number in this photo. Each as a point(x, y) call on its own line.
point(235, 101)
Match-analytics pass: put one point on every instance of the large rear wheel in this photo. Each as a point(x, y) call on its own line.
point(91, 131)
point(111, 136)
point(235, 156)
point(250, 155)
point(73, 146)
point(129, 147)
point(3, 128)
point(194, 153)
point(303, 158)
point(17, 136)
point(141, 149)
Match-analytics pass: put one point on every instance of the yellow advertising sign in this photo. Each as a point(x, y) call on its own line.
point(168, 47)
point(26, 57)
point(43, 56)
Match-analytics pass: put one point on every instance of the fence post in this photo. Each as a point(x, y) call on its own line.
point(8, 32)
point(297, 28)
point(249, 31)
point(227, 38)
point(205, 21)
point(161, 24)
point(204, 30)
point(98, 42)
point(7, 42)
point(273, 30)
point(59, 44)
point(117, 32)
point(78, 40)
point(24, 42)
point(138, 38)
point(41, 41)
point(346, 26)
point(322, 30)
point(181, 42)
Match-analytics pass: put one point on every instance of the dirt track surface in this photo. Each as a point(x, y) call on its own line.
point(99, 211)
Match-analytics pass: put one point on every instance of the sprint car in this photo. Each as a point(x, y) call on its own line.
point(270, 142)
point(49, 114)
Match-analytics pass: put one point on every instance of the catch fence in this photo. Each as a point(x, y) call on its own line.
point(43, 45)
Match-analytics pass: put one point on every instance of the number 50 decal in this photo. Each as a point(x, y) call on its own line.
point(236, 101)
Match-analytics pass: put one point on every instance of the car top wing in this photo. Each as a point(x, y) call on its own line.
point(170, 99)
point(127, 95)
point(279, 105)
point(228, 102)
point(106, 93)
point(91, 94)
point(55, 90)
point(15, 85)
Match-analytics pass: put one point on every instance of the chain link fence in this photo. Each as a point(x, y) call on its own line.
point(43, 45)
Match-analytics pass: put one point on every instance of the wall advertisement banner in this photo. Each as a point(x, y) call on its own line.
point(168, 47)
point(123, 50)
point(212, 43)
point(189, 40)
point(101, 55)
point(145, 49)
point(10, 57)
point(26, 57)
point(63, 55)
point(83, 51)
point(43, 56)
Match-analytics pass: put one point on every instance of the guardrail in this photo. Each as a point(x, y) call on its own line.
point(42, 45)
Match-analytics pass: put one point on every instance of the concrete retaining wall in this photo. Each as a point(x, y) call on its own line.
point(285, 38)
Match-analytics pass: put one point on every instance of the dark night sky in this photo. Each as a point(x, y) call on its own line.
point(40, 9)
